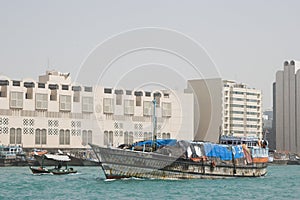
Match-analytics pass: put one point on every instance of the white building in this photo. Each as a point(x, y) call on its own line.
point(227, 108)
point(242, 110)
point(54, 113)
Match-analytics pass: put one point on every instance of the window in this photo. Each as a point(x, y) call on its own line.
point(88, 89)
point(107, 90)
point(110, 138)
point(41, 85)
point(65, 87)
point(65, 103)
point(108, 106)
point(76, 88)
point(166, 110)
point(3, 91)
point(53, 95)
point(138, 101)
point(37, 136)
point(40, 136)
point(157, 97)
point(29, 93)
point(64, 137)
point(87, 104)
point(147, 108)
point(12, 136)
point(128, 92)
point(105, 139)
point(4, 82)
point(119, 99)
point(90, 137)
point(41, 101)
point(84, 138)
point(53, 86)
point(128, 107)
point(16, 100)
point(15, 136)
point(16, 83)
point(148, 94)
point(44, 136)
point(138, 98)
point(29, 84)
point(168, 135)
point(67, 137)
point(61, 137)
point(76, 96)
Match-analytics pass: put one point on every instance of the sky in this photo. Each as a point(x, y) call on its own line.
point(246, 41)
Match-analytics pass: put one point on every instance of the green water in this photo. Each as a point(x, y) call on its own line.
point(281, 182)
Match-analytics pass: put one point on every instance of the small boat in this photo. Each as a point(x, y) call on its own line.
point(12, 156)
point(59, 171)
point(39, 170)
point(60, 165)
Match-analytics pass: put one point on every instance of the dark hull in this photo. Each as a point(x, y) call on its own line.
point(117, 163)
point(55, 171)
point(39, 170)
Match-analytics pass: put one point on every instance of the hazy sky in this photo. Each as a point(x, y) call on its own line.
point(248, 41)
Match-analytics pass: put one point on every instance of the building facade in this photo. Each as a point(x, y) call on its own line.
point(227, 108)
point(242, 110)
point(286, 108)
point(55, 113)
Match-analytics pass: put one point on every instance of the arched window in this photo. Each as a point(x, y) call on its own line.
point(164, 136)
point(12, 136)
point(19, 136)
point(105, 139)
point(44, 136)
point(90, 136)
point(67, 137)
point(84, 138)
point(111, 138)
point(61, 136)
point(168, 135)
point(37, 136)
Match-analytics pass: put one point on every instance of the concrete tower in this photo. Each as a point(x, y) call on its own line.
point(286, 105)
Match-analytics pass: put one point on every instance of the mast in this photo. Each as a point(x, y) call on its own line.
point(154, 121)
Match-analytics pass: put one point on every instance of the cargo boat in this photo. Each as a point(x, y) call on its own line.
point(172, 159)
point(184, 160)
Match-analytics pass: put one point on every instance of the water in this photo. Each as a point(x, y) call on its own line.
point(281, 182)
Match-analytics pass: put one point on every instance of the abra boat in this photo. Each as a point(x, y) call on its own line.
point(184, 160)
point(61, 166)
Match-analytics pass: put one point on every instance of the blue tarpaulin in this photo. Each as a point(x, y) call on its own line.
point(224, 152)
point(159, 143)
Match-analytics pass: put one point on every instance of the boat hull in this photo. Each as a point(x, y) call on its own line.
point(117, 163)
point(39, 170)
